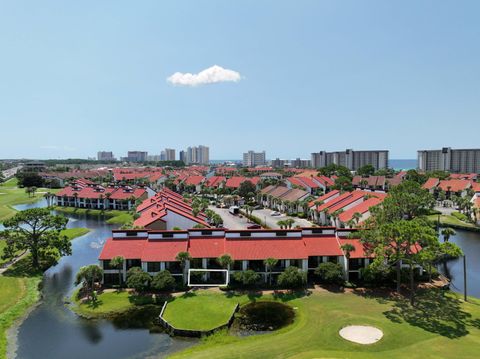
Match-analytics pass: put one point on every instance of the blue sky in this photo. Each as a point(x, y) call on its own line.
point(77, 77)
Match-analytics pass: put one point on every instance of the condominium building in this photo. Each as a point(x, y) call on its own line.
point(105, 156)
point(169, 154)
point(182, 156)
point(252, 159)
point(136, 156)
point(351, 159)
point(451, 160)
point(278, 163)
point(300, 163)
point(198, 155)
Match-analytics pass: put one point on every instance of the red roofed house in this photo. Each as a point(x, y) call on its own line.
point(431, 184)
point(157, 250)
point(455, 186)
point(87, 195)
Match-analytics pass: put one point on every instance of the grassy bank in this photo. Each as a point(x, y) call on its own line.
point(453, 222)
point(441, 325)
point(19, 291)
point(109, 302)
point(73, 233)
point(11, 195)
point(112, 217)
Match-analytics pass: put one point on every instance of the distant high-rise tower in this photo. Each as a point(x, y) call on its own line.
point(252, 159)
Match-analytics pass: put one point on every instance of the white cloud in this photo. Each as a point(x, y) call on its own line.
point(211, 75)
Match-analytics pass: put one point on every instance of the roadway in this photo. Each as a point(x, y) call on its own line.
point(264, 216)
point(230, 221)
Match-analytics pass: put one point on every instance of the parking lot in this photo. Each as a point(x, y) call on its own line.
point(231, 221)
point(265, 216)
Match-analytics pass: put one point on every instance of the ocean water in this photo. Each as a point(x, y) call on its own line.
point(402, 164)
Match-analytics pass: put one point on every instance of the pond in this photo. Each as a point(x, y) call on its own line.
point(53, 331)
point(263, 316)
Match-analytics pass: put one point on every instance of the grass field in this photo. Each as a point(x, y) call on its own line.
point(113, 217)
point(441, 326)
point(11, 195)
point(448, 220)
point(108, 303)
point(18, 292)
point(201, 310)
point(73, 233)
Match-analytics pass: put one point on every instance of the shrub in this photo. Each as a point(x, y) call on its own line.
point(330, 273)
point(247, 278)
point(460, 216)
point(138, 279)
point(163, 280)
point(292, 277)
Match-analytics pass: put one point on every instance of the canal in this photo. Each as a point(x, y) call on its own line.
point(53, 331)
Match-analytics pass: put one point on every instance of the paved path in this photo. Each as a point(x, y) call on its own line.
point(229, 220)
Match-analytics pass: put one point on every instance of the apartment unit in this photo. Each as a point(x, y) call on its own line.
point(169, 154)
point(303, 248)
point(86, 194)
point(351, 159)
point(105, 156)
point(197, 155)
point(253, 159)
point(451, 160)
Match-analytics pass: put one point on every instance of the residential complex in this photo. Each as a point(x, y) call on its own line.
point(105, 156)
point(351, 159)
point(169, 154)
point(303, 248)
point(197, 155)
point(451, 160)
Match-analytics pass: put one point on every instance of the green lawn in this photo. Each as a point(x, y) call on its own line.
point(73, 233)
point(10, 195)
point(107, 303)
point(448, 220)
point(113, 217)
point(441, 326)
point(201, 310)
point(18, 292)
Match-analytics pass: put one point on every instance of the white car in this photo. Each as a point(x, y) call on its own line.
point(275, 213)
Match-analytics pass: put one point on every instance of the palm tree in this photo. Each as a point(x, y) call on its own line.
point(183, 258)
point(447, 233)
point(117, 262)
point(107, 199)
point(75, 196)
point(88, 275)
point(270, 263)
point(357, 216)
point(289, 223)
point(351, 223)
point(347, 249)
point(281, 224)
point(225, 261)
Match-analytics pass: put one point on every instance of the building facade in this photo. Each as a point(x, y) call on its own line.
point(198, 155)
point(451, 160)
point(169, 154)
point(137, 156)
point(351, 159)
point(252, 159)
point(105, 156)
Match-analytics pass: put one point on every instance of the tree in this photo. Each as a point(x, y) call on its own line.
point(117, 262)
point(292, 277)
point(163, 281)
point(37, 231)
point(87, 276)
point(225, 261)
point(343, 183)
point(357, 216)
point(29, 179)
point(247, 278)
point(330, 272)
point(246, 188)
point(289, 222)
point(447, 233)
point(365, 171)
point(347, 248)
point(183, 258)
point(138, 279)
point(270, 263)
point(282, 224)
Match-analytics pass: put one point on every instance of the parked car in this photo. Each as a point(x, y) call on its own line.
point(275, 213)
point(254, 226)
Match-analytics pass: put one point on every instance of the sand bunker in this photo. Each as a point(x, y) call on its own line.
point(361, 334)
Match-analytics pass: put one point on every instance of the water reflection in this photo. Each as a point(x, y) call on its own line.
point(53, 331)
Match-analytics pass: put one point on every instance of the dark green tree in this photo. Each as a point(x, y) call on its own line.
point(292, 278)
point(163, 281)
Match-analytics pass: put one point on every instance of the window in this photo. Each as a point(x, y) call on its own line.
point(317, 231)
point(238, 265)
point(106, 265)
point(153, 267)
point(245, 234)
point(167, 235)
point(206, 233)
point(280, 234)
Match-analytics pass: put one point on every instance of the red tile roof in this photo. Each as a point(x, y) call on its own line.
point(322, 246)
point(361, 208)
point(127, 248)
point(262, 248)
point(163, 250)
point(454, 185)
point(206, 247)
point(431, 183)
point(194, 180)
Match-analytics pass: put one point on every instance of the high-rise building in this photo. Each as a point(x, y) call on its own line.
point(300, 163)
point(252, 159)
point(136, 156)
point(153, 158)
point(198, 155)
point(278, 163)
point(182, 156)
point(169, 154)
point(451, 160)
point(351, 159)
point(105, 156)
